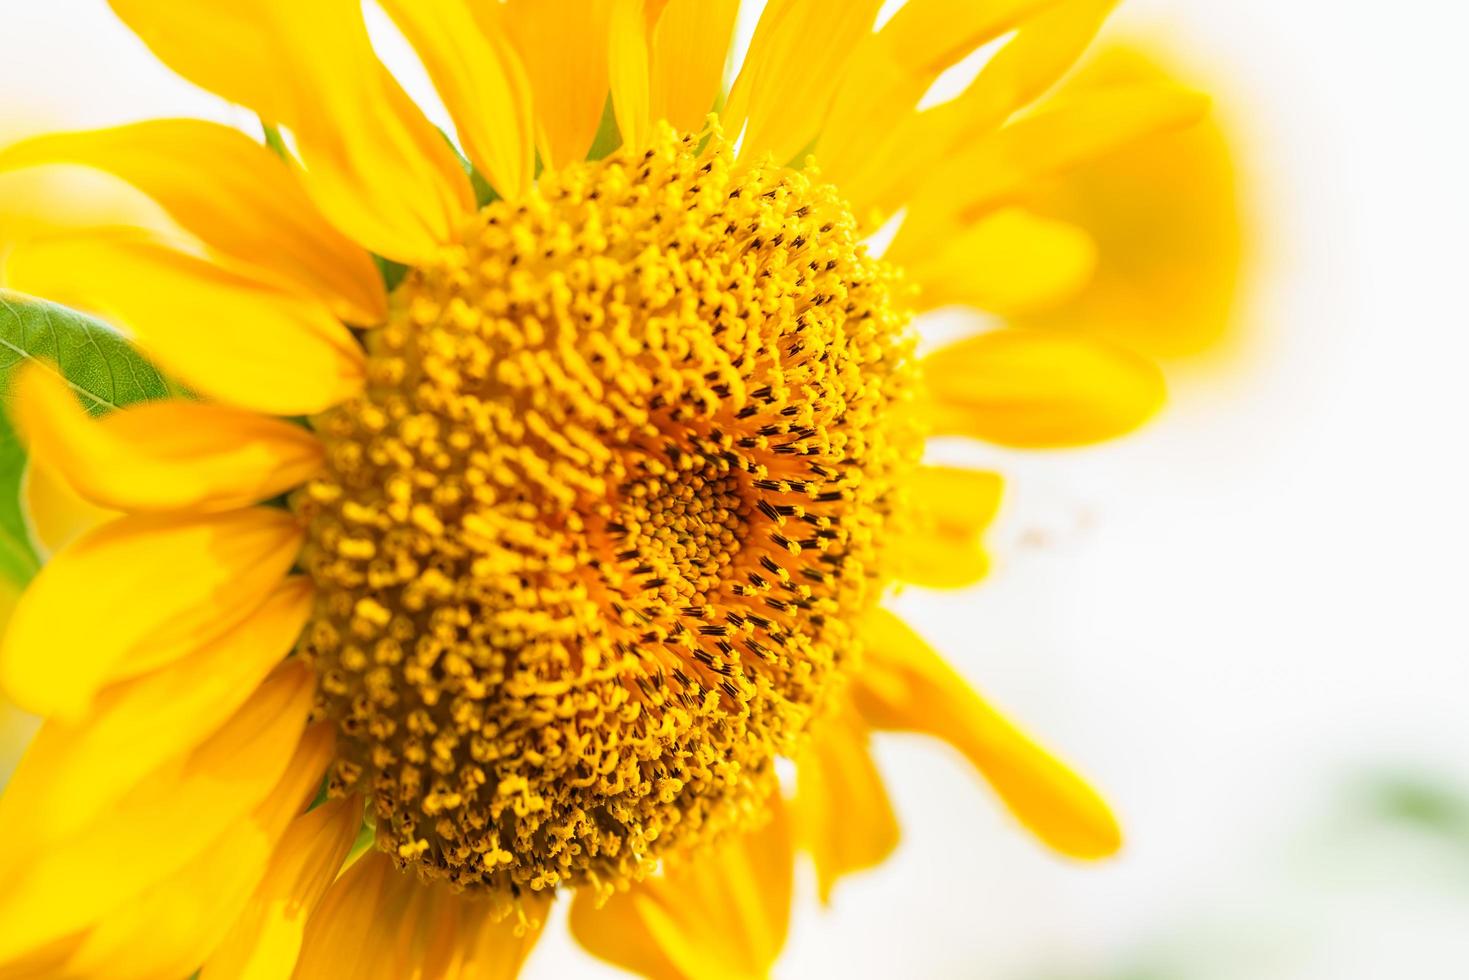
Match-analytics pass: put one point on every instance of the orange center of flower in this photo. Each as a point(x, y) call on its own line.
point(592, 541)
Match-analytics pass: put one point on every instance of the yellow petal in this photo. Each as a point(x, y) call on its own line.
point(563, 45)
point(265, 939)
point(905, 685)
point(72, 773)
point(159, 827)
point(883, 172)
point(185, 915)
point(627, 70)
point(1039, 388)
point(687, 50)
point(842, 814)
point(1166, 215)
point(483, 86)
point(1006, 263)
point(724, 909)
point(797, 59)
point(893, 68)
point(1000, 166)
point(377, 923)
point(137, 593)
point(55, 514)
point(223, 333)
point(232, 193)
point(940, 546)
point(161, 456)
point(373, 164)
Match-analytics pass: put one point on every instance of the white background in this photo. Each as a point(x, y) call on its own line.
point(1236, 616)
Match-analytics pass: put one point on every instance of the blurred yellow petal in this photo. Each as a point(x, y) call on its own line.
point(185, 915)
point(374, 165)
point(563, 46)
point(723, 911)
point(842, 814)
point(627, 70)
point(1000, 166)
point(161, 456)
point(157, 828)
point(797, 59)
point(1007, 262)
point(884, 170)
point(1166, 216)
point(905, 685)
point(483, 86)
point(224, 334)
point(232, 193)
point(73, 772)
point(940, 547)
point(893, 68)
point(265, 939)
point(687, 51)
point(55, 514)
point(137, 593)
point(378, 923)
point(1039, 389)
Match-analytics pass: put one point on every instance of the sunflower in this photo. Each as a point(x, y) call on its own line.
point(528, 506)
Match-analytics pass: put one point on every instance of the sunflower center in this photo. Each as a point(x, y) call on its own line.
point(591, 540)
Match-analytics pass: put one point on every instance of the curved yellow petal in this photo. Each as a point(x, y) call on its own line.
point(72, 773)
point(161, 456)
point(185, 915)
point(842, 814)
point(1040, 389)
point(905, 685)
point(265, 939)
point(483, 86)
point(563, 45)
point(940, 546)
point(160, 826)
point(137, 593)
point(372, 163)
point(627, 70)
point(1166, 215)
point(377, 923)
point(234, 195)
point(223, 333)
point(723, 911)
point(998, 167)
point(797, 59)
point(893, 68)
point(883, 172)
point(55, 514)
point(1008, 262)
point(687, 54)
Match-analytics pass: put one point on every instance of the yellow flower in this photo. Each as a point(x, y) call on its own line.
point(537, 526)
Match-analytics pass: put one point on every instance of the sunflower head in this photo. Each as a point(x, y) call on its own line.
point(590, 544)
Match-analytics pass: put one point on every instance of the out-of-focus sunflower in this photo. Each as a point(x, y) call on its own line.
point(533, 506)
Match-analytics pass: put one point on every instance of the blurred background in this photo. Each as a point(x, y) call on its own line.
point(1249, 624)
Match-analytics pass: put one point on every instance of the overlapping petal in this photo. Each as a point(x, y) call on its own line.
point(373, 164)
point(842, 814)
point(234, 195)
point(728, 906)
point(135, 594)
point(158, 828)
point(481, 82)
point(162, 456)
point(377, 923)
point(1040, 389)
point(224, 333)
point(905, 685)
point(941, 546)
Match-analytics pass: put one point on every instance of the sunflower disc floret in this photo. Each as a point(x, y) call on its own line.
point(592, 540)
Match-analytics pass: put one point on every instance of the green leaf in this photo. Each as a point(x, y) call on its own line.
point(99, 365)
point(608, 137)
